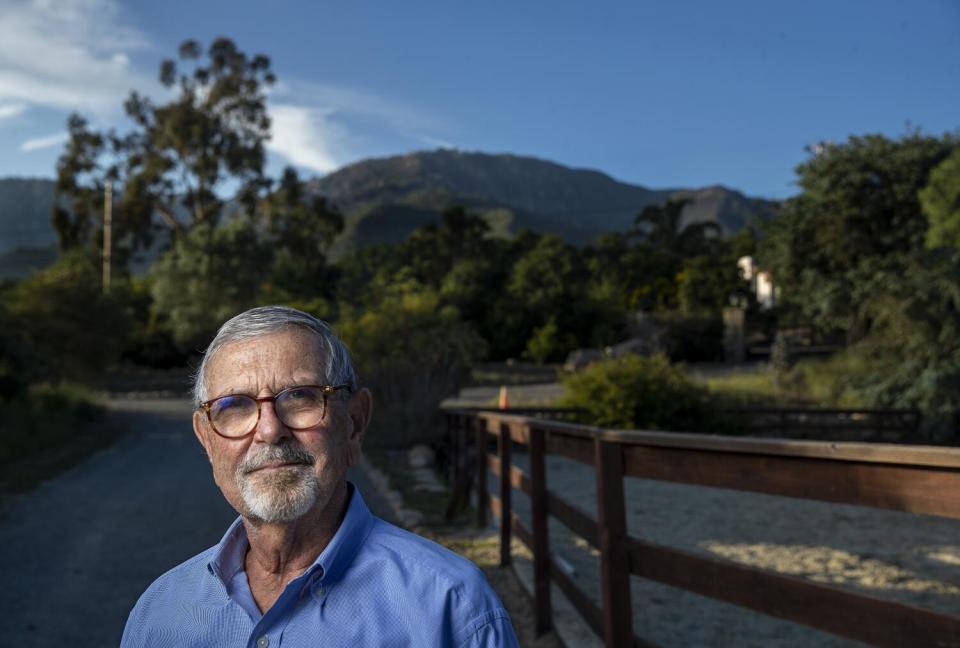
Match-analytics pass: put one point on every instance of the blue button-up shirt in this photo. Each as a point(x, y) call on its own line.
point(373, 585)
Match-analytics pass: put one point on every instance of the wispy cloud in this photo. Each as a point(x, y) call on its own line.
point(67, 54)
point(307, 137)
point(393, 113)
point(37, 143)
point(11, 110)
point(322, 127)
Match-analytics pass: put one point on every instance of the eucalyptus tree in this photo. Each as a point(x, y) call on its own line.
point(182, 162)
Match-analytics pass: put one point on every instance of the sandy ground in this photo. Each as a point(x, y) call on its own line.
point(898, 556)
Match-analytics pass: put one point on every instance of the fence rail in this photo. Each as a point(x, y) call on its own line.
point(916, 479)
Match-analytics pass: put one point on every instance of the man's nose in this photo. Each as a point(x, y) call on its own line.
point(270, 429)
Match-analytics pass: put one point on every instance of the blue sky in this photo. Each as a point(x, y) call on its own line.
point(664, 94)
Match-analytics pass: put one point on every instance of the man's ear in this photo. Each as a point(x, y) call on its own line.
point(201, 430)
point(360, 408)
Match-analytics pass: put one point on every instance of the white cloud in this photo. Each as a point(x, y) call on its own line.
point(37, 143)
point(67, 54)
point(307, 137)
point(11, 110)
point(322, 127)
point(393, 114)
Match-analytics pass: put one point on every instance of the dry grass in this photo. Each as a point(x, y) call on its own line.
point(811, 382)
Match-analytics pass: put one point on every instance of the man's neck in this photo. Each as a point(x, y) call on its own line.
point(280, 552)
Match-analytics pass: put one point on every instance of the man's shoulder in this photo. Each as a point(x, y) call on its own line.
point(423, 555)
point(435, 582)
point(188, 577)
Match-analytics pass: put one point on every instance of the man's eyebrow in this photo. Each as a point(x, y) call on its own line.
point(231, 392)
point(309, 383)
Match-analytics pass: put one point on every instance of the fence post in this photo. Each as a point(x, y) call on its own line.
point(466, 477)
point(459, 465)
point(480, 474)
point(503, 446)
point(453, 449)
point(541, 537)
point(614, 559)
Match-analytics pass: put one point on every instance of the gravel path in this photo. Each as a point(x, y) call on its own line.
point(80, 549)
point(898, 556)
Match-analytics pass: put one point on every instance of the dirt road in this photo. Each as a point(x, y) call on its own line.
point(79, 550)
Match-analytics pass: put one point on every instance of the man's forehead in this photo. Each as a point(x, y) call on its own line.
point(285, 354)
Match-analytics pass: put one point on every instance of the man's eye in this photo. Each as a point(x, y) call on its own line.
point(229, 403)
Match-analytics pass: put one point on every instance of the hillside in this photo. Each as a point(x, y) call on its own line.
point(384, 199)
point(25, 213)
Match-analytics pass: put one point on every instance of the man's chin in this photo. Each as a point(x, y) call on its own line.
point(283, 496)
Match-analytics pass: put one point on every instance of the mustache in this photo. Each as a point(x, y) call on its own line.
point(284, 453)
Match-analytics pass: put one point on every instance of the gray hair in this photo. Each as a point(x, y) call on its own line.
point(264, 320)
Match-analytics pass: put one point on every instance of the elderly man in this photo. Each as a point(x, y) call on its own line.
point(281, 417)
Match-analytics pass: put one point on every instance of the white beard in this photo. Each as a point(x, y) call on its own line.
point(279, 496)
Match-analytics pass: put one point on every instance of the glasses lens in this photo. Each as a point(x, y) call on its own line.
point(233, 415)
point(300, 407)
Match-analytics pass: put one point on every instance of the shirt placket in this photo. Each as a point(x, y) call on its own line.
point(268, 632)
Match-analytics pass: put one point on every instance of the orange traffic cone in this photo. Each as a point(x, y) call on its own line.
point(504, 401)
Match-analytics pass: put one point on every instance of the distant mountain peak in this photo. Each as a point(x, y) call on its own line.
point(386, 198)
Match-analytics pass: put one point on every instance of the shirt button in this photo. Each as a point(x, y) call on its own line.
point(263, 641)
point(320, 591)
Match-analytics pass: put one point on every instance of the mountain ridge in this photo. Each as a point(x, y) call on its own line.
point(514, 191)
point(383, 199)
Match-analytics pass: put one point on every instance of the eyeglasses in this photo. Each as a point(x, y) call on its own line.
point(236, 415)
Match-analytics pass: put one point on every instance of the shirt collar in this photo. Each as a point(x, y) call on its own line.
point(230, 552)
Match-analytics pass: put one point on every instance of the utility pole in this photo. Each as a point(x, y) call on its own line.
point(107, 234)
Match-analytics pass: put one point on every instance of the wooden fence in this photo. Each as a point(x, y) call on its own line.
point(916, 479)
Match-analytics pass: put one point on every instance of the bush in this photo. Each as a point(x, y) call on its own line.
point(65, 323)
point(548, 343)
point(412, 354)
point(911, 357)
point(638, 393)
point(14, 364)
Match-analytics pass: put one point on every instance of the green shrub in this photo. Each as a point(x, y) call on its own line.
point(638, 393)
point(412, 354)
point(548, 343)
point(14, 361)
point(65, 323)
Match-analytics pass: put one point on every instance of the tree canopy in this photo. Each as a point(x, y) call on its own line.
point(179, 158)
point(941, 203)
point(856, 219)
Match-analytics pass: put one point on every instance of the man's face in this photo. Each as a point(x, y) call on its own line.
point(278, 474)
